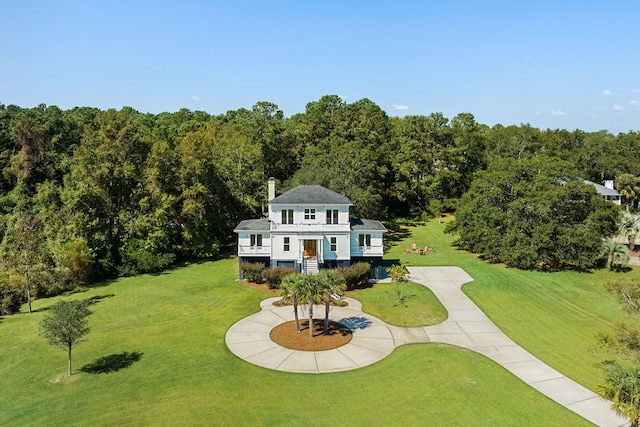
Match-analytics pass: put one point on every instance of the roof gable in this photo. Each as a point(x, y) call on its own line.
point(310, 194)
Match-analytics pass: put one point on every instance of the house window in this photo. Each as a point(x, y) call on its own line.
point(256, 240)
point(334, 244)
point(309, 213)
point(287, 244)
point(332, 216)
point(364, 240)
point(287, 216)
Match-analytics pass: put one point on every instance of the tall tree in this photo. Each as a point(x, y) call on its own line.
point(435, 160)
point(534, 213)
point(290, 291)
point(347, 151)
point(332, 285)
point(310, 292)
point(23, 250)
point(628, 185)
point(102, 192)
point(65, 325)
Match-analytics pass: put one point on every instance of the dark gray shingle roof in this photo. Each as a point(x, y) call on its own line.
point(358, 224)
point(261, 224)
point(310, 194)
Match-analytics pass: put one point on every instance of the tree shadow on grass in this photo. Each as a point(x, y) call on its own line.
point(95, 299)
point(396, 232)
point(112, 363)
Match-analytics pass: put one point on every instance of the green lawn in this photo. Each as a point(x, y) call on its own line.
point(556, 316)
point(402, 304)
point(162, 339)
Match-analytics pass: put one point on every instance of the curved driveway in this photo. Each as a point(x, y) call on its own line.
point(467, 326)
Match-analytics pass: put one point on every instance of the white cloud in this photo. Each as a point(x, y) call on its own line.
point(634, 102)
point(619, 108)
point(594, 116)
point(558, 113)
point(635, 90)
point(607, 93)
point(343, 97)
point(400, 107)
point(538, 113)
point(195, 98)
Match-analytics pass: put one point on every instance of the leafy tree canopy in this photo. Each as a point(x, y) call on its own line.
point(66, 325)
point(534, 213)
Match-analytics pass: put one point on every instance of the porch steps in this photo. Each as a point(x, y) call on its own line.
point(310, 265)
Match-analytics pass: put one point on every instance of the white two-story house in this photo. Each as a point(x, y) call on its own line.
point(307, 228)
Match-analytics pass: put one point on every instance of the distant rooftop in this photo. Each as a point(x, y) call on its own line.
point(310, 194)
point(602, 190)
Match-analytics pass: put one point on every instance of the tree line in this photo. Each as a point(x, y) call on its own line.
point(87, 194)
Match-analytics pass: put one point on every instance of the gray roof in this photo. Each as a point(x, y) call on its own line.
point(261, 224)
point(358, 224)
point(602, 190)
point(310, 194)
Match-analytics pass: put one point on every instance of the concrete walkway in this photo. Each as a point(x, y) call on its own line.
point(467, 327)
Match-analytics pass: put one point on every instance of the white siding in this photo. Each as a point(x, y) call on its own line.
point(317, 225)
point(277, 249)
point(342, 247)
point(245, 248)
point(376, 248)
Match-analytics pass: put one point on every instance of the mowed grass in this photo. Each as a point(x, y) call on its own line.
point(183, 374)
point(402, 304)
point(557, 316)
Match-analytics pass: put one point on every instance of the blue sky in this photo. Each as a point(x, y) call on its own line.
point(554, 64)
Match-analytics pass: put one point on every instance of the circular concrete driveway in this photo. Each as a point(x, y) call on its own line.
point(249, 339)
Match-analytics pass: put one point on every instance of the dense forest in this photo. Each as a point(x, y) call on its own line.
point(88, 194)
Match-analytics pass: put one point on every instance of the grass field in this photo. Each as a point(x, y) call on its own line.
point(402, 304)
point(156, 355)
point(554, 315)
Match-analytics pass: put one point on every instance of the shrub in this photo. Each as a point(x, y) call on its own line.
point(355, 274)
point(398, 272)
point(139, 256)
point(273, 276)
point(252, 271)
point(10, 298)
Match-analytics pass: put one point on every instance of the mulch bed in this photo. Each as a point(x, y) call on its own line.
point(285, 335)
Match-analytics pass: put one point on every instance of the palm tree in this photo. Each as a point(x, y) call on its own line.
point(310, 291)
point(615, 253)
point(627, 186)
point(630, 227)
point(333, 284)
point(289, 291)
point(622, 388)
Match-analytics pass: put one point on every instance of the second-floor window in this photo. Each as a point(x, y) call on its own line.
point(309, 213)
point(256, 240)
point(287, 216)
point(287, 244)
point(332, 216)
point(364, 240)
